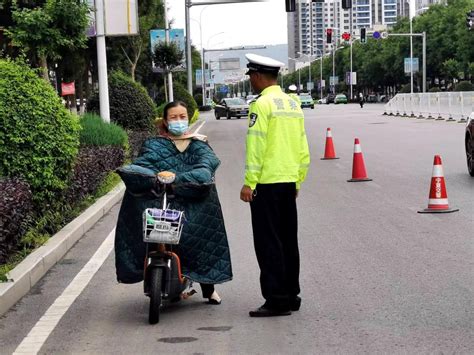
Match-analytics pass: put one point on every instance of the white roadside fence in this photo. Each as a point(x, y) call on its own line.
point(450, 106)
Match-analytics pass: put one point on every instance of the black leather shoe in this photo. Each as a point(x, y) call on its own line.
point(269, 312)
point(295, 304)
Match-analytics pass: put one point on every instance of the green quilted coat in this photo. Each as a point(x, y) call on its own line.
point(203, 248)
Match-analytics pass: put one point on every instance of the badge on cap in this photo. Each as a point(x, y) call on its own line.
point(253, 118)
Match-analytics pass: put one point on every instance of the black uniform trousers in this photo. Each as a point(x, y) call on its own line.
point(275, 229)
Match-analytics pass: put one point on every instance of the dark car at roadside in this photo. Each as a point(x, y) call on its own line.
point(231, 107)
point(330, 99)
point(469, 144)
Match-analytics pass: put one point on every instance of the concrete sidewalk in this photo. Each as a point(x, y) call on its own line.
point(26, 274)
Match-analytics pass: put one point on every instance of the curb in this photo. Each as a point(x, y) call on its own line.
point(26, 274)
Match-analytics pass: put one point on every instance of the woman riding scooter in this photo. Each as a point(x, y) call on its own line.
point(203, 249)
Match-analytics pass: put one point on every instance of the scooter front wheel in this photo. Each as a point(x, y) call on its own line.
point(156, 279)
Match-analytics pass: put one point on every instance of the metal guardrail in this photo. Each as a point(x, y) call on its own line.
point(450, 106)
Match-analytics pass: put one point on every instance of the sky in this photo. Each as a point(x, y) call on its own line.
point(262, 23)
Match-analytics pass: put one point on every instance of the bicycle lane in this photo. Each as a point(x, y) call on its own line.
point(20, 319)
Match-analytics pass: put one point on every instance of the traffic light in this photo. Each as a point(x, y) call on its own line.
point(470, 20)
point(346, 4)
point(290, 5)
point(329, 35)
point(346, 36)
point(363, 37)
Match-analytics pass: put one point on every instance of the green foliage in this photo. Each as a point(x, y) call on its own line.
point(434, 89)
point(198, 99)
point(39, 138)
point(46, 30)
point(130, 105)
point(97, 132)
point(181, 94)
point(160, 109)
point(194, 117)
point(406, 89)
point(464, 86)
point(167, 55)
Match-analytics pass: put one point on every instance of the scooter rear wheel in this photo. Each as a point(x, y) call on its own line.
point(156, 278)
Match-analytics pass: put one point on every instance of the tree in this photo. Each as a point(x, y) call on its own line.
point(45, 31)
point(167, 56)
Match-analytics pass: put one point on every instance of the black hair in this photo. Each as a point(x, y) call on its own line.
point(172, 104)
point(270, 75)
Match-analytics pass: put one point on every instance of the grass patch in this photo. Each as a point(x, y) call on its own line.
point(52, 221)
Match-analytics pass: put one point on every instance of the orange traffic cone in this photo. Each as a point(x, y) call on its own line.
point(438, 200)
point(358, 166)
point(329, 152)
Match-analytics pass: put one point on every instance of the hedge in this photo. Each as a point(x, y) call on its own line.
point(15, 208)
point(130, 105)
point(39, 138)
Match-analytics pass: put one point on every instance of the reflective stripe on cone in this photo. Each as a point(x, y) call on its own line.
point(358, 166)
point(438, 199)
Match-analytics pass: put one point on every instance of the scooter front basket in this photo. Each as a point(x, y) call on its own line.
point(162, 226)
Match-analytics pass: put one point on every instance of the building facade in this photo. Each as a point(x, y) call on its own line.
point(308, 24)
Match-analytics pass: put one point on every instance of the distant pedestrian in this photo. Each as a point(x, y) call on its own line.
point(361, 100)
point(277, 160)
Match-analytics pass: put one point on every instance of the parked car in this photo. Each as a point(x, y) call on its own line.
point(330, 98)
point(469, 144)
point(322, 101)
point(340, 99)
point(231, 107)
point(306, 100)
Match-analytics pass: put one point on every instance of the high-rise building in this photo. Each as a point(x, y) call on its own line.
point(308, 24)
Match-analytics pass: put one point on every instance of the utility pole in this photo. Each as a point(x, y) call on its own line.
point(102, 62)
point(167, 41)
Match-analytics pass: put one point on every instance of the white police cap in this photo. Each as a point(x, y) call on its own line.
point(258, 63)
point(292, 87)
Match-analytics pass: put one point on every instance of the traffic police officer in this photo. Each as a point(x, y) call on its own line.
point(293, 94)
point(277, 161)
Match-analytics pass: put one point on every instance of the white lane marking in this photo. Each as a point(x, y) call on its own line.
point(37, 336)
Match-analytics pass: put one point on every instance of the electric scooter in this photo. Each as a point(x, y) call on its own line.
point(162, 228)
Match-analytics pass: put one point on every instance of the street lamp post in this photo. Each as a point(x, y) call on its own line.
point(187, 6)
point(299, 72)
point(309, 72)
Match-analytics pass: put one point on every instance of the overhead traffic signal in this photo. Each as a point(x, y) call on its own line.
point(363, 37)
point(329, 35)
point(346, 4)
point(290, 5)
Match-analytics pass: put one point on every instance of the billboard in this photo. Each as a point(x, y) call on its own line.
point(229, 64)
point(120, 17)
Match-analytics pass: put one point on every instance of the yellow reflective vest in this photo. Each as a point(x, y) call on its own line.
point(277, 148)
point(295, 97)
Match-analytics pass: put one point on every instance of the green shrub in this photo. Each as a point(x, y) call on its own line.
point(406, 89)
point(181, 94)
point(198, 99)
point(130, 105)
point(97, 132)
point(464, 86)
point(39, 138)
point(15, 208)
point(93, 163)
point(434, 89)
